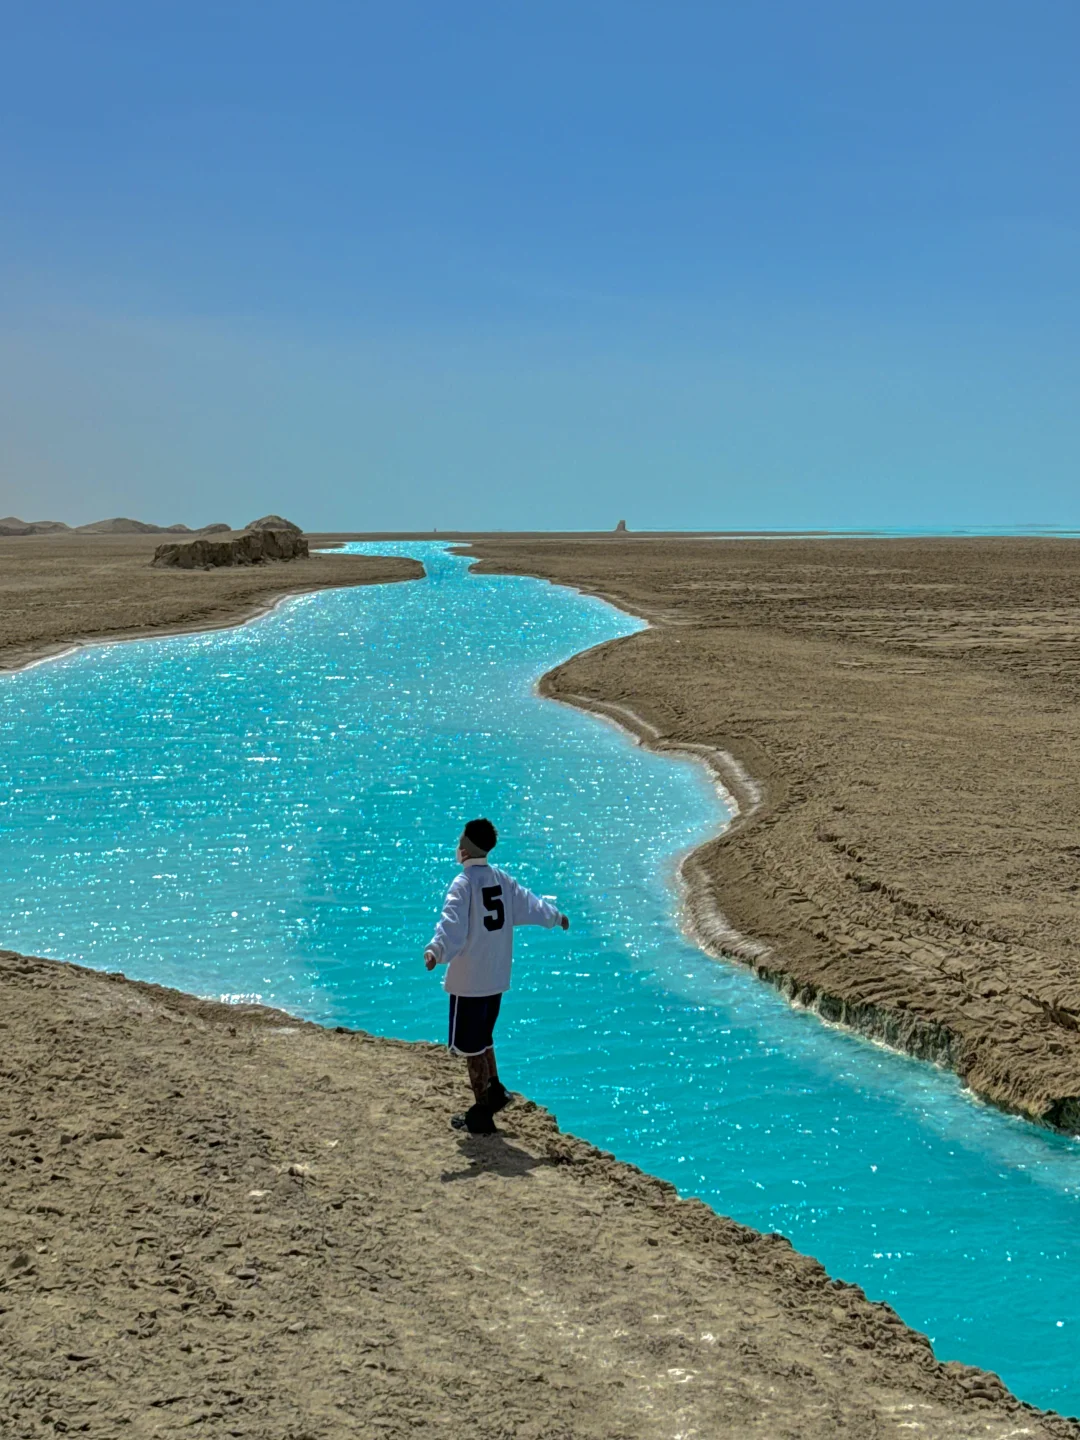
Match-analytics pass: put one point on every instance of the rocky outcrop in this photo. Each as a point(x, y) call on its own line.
point(620, 528)
point(273, 522)
point(250, 547)
point(218, 529)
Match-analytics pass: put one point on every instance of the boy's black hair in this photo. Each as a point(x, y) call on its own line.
point(483, 834)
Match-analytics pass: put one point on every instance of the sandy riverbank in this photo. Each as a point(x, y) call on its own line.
point(64, 590)
point(910, 710)
point(226, 1220)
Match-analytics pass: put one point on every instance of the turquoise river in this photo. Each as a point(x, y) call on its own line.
point(269, 813)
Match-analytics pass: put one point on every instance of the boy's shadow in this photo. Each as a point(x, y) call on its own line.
point(493, 1154)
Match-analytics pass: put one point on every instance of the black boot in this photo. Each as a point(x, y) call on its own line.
point(497, 1097)
point(477, 1120)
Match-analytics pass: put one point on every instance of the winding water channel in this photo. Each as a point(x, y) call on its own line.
point(269, 813)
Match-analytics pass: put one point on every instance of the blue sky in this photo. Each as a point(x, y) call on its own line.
point(540, 265)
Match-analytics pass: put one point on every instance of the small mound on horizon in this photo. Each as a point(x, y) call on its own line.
point(12, 525)
point(273, 522)
point(121, 525)
point(125, 525)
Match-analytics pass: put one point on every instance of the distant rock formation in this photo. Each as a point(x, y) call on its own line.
point(273, 522)
point(12, 525)
point(120, 526)
point(620, 528)
point(250, 547)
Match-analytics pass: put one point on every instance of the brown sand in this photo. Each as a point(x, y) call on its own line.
point(60, 590)
point(223, 1222)
point(168, 1266)
point(909, 708)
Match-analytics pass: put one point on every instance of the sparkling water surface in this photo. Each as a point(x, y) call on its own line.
point(269, 813)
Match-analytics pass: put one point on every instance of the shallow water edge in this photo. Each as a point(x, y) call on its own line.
point(703, 921)
point(216, 612)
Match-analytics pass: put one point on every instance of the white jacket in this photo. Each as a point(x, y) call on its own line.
point(474, 938)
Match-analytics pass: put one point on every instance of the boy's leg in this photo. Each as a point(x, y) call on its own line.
point(492, 1069)
point(496, 1096)
point(484, 1079)
point(478, 1074)
point(471, 1024)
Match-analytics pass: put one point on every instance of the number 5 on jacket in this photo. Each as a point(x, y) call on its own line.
point(495, 919)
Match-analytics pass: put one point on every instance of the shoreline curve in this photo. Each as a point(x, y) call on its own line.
point(705, 922)
point(102, 591)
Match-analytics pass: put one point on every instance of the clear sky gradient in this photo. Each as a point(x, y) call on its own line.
point(510, 265)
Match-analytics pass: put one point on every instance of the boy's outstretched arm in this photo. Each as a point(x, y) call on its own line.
point(452, 931)
point(529, 909)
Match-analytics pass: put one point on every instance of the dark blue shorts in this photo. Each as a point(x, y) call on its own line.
point(472, 1023)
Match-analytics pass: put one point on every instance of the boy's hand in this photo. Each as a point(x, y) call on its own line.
point(430, 959)
point(564, 921)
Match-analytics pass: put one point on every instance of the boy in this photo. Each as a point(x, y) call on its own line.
point(474, 939)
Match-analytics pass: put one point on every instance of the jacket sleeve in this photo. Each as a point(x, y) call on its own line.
point(452, 931)
point(529, 909)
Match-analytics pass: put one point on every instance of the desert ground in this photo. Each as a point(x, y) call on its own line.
point(223, 1221)
point(904, 720)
